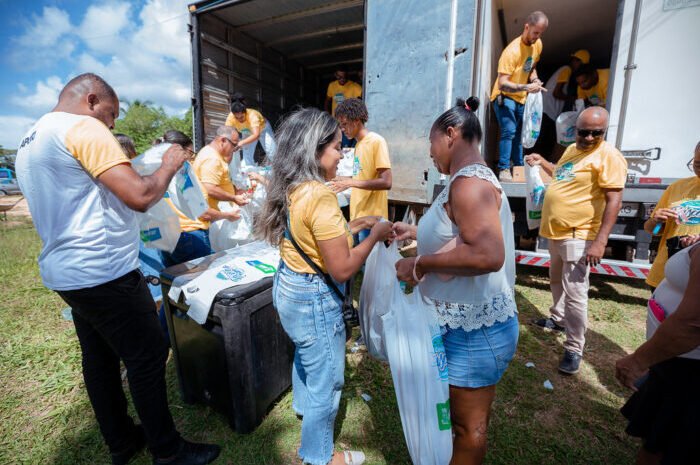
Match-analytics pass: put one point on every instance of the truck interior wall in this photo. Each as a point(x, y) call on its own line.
point(566, 33)
point(232, 62)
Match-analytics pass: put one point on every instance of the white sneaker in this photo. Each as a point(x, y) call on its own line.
point(354, 457)
point(505, 176)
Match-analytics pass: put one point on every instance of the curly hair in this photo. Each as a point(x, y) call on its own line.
point(353, 109)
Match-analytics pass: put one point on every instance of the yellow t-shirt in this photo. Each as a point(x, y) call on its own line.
point(564, 75)
point(681, 190)
point(211, 168)
point(598, 94)
point(187, 224)
point(575, 199)
point(253, 119)
point(517, 61)
point(371, 154)
point(340, 93)
point(314, 215)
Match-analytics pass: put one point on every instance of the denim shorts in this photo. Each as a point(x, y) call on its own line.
point(479, 358)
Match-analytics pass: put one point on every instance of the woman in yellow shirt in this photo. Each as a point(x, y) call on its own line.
point(307, 294)
point(254, 129)
point(663, 219)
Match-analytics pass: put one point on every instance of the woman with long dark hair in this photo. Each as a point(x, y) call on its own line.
point(466, 267)
point(301, 215)
point(253, 127)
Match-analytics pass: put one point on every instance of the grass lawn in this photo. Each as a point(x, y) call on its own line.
point(45, 416)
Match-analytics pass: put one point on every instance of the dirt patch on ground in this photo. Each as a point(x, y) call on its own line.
point(17, 215)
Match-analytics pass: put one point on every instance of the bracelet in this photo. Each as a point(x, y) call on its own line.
point(415, 276)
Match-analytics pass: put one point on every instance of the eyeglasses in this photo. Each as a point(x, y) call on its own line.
point(590, 132)
point(691, 165)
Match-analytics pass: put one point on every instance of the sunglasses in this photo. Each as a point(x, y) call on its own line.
point(590, 132)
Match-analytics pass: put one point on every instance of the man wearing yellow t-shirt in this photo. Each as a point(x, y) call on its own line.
point(338, 91)
point(371, 178)
point(684, 191)
point(253, 128)
point(211, 167)
point(517, 77)
point(580, 209)
point(593, 85)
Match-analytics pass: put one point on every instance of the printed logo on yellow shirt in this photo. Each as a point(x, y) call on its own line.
point(595, 99)
point(565, 172)
point(527, 67)
point(688, 212)
point(245, 132)
point(339, 97)
point(356, 166)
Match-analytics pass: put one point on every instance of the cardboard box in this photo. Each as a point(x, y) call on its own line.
point(519, 175)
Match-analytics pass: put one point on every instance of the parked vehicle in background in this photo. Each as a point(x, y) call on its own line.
point(414, 66)
point(8, 182)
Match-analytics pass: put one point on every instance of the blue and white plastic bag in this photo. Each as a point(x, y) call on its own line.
point(532, 119)
point(419, 369)
point(535, 196)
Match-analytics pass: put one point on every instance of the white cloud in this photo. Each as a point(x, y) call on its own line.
point(144, 55)
point(102, 26)
point(45, 41)
point(43, 98)
point(13, 129)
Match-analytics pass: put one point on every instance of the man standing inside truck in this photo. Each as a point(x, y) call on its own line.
point(579, 211)
point(83, 193)
point(517, 77)
point(371, 178)
point(338, 91)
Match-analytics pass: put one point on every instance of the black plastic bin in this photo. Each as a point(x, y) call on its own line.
point(239, 362)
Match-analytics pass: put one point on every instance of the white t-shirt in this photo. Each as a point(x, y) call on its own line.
point(552, 106)
point(89, 236)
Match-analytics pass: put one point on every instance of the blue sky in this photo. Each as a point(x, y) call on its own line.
point(141, 47)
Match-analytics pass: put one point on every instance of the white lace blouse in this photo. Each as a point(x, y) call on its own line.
point(468, 302)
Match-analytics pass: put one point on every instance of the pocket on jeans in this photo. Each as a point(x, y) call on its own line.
point(503, 338)
point(297, 317)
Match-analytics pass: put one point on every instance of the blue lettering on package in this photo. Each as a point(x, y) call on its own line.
point(150, 235)
point(186, 178)
point(229, 273)
point(440, 356)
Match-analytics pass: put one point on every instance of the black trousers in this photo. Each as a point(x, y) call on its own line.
point(113, 321)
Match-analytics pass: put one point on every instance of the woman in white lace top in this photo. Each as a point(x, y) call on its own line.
point(466, 266)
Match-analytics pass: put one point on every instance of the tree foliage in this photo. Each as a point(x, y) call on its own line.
point(145, 122)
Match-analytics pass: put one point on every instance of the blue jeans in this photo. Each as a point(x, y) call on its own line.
point(311, 315)
point(479, 357)
point(361, 235)
point(191, 245)
point(510, 123)
point(151, 264)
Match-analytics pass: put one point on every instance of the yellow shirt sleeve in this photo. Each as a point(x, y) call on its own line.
point(381, 154)
point(564, 75)
point(613, 171)
point(331, 89)
point(255, 118)
point(94, 146)
point(508, 62)
point(230, 120)
point(211, 172)
point(326, 221)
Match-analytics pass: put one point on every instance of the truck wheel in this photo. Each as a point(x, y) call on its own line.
point(2, 192)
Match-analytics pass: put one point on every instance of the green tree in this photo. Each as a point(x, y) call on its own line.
point(145, 122)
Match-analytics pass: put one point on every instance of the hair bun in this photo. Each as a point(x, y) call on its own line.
point(471, 104)
point(237, 97)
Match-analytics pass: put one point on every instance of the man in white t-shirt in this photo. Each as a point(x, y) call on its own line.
point(82, 193)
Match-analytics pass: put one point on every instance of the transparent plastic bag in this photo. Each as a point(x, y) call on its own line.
point(535, 196)
point(566, 125)
point(419, 370)
point(376, 294)
point(532, 119)
point(225, 234)
point(159, 227)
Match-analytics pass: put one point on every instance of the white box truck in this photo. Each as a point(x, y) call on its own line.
point(415, 57)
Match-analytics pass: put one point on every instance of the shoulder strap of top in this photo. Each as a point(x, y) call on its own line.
point(480, 171)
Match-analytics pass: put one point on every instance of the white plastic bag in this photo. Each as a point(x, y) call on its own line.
point(532, 119)
point(419, 370)
point(535, 196)
point(183, 191)
point(225, 234)
point(566, 125)
point(376, 294)
point(159, 227)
